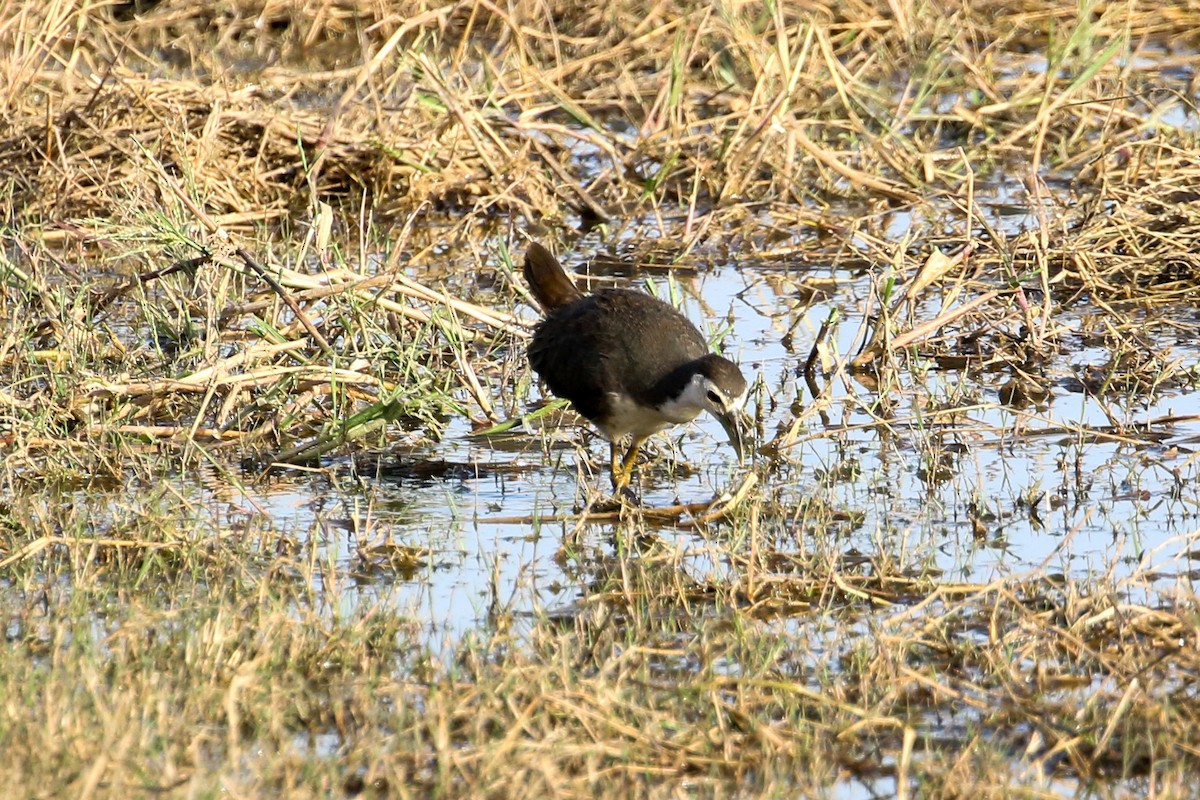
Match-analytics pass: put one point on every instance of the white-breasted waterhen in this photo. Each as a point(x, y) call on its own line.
point(628, 362)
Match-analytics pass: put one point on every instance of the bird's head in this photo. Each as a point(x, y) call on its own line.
point(718, 387)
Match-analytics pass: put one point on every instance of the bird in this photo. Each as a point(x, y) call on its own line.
point(627, 362)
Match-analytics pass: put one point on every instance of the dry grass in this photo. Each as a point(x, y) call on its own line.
point(191, 659)
point(245, 233)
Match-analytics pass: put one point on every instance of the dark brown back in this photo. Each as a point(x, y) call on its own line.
point(548, 281)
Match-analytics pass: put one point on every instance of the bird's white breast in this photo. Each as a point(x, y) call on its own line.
point(625, 416)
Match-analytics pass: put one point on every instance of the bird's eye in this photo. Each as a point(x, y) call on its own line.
point(714, 398)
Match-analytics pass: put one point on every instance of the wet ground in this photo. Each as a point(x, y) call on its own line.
point(1072, 485)
point(221, 627)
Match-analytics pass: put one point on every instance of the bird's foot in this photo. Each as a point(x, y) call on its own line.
point(622, 498)
point(627, 496)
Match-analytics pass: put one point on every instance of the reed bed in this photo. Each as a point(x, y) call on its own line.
point(243, 238)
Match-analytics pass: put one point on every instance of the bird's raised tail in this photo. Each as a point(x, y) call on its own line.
point(548, 281)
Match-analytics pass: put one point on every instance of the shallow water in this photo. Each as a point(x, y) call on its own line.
point(998, 497)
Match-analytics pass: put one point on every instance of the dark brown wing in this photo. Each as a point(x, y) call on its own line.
point(616, 341)
point(548, 281)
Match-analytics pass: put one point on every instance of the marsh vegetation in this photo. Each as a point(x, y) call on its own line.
point(285, 514)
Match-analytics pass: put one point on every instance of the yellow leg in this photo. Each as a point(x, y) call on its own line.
point(622, 469)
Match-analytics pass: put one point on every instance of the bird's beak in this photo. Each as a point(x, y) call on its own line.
point(735, 427)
